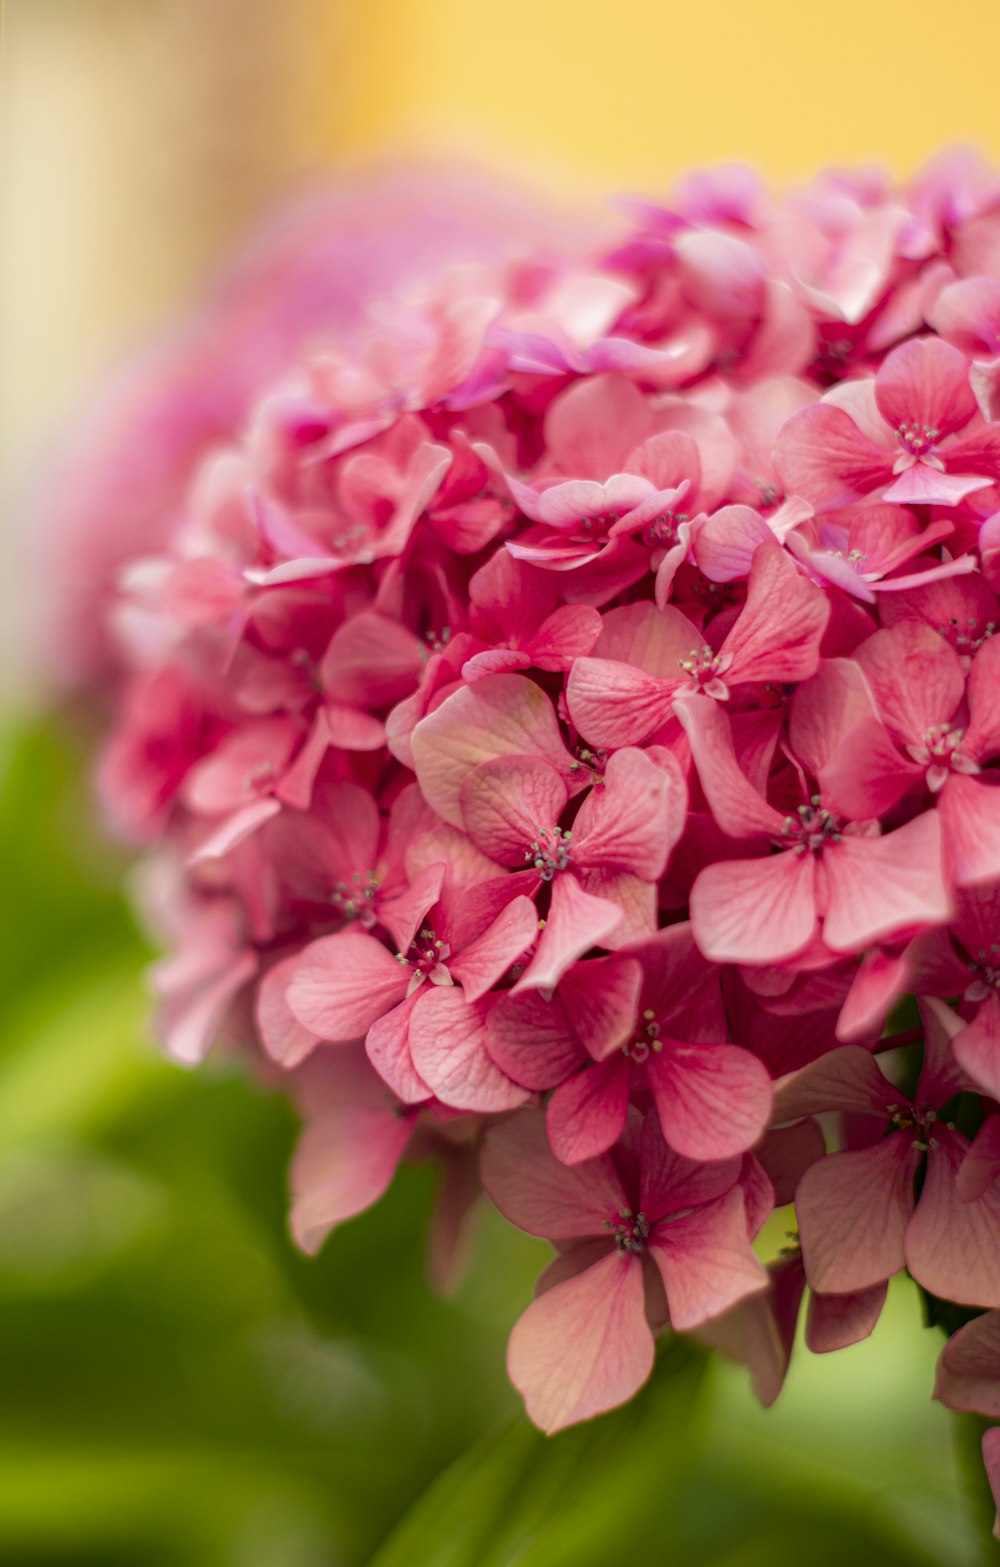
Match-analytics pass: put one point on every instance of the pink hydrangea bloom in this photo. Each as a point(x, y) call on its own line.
point(563, 702)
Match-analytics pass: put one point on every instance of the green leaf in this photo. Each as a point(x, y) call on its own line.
point(564, 1501)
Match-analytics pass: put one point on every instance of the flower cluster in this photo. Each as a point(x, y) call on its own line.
point(570, 725)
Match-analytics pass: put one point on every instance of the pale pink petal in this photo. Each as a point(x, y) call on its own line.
point(284, 1038)
point(448, 1046)
point(537, 1193)
point(234, 830)
point(706, 1262)
point(388, 1048)
point(826, 709)
point(342, 983)
point(853, 1209)
point(501, 715)
point(511, 803)
point(712, 1100)
point(778, 633)
point(755, 911)
point(584, 1346)
point(613, 704)
point(724, 545)
point(344, 1162)
point(916, 678)
point(923, 485)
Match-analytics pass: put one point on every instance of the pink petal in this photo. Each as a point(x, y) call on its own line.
point(372, 661)
point(584, 1346)
point(509, 804)
point(725, 543)
point(531, 1040)
point(344, 1162)
point(738, 808)
point(586, 1115)
point(866, 774)
point(977, 1047)
point(612, 704)
point(982, 737)
point(755, 911)
point(853, 1209)
point(968, 1371)
point(537, 1193)
point(388, 1048)
point(847, 1079)
point(479, 966)
point(880, 981)
point(923, 485)
point(879, 886)
point(343, 983)
point(234, 830)
point(712, 1100)
point(778, 632)
point(836, 1321)
point(600, 998)
point(284, 1038)
point(925, 382)
point(950, 1244)
point(967, 313)
point(448, 1046)
point(917, 679)
point(706, 1262)
point(632, 821)
point(567, 634)
point(575, 923)
point(981, 1165)
point(822, 456)
point(501, 715)
point(827, 709)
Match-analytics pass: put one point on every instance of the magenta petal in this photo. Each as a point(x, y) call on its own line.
point(576, 921)
point(879, 886)
point(344, 1161)
point(969, 808)
point(706, 1261)
point(586, 1115)
point(835, 1321)
point(584, 1346)
point(968, 1371)
point(537, 1193)
point(925, 382)
point(880, 981)
point(342, 983)
point(755, 911)
point(448, 1046)
point(853, 1209)
point(632, 821)
point(614, 704)
point(712, 1100)
point(977, 1047)
point(509, 804)
point(950, 1244)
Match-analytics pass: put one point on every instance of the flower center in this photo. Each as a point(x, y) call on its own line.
point(630, 1230)
point(647, 1039)
point(355, 900)
point(939, 752)
point(986, 967)
point(550, 852)
point(704, 669)
point(811, 828)
point(426, 953)
point(917, 439)
point(662, 530)
point(920, 1119)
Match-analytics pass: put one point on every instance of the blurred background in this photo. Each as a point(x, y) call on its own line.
point(177, 1387)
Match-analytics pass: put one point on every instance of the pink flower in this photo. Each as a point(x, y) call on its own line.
point(586, 1344)
point(898, 434)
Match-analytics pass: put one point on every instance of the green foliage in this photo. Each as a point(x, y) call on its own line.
point(179, 1388)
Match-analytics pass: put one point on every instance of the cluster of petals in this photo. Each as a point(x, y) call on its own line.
point(567, 733)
